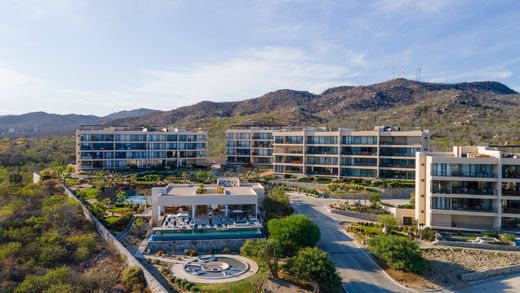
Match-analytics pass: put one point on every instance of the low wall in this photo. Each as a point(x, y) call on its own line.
point(366, 217)
point(468, 277)
point(477, 245)
point(151, 281)
point(202, 246)
point(396, 193)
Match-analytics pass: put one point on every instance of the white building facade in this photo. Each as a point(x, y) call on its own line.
point(476, 188)
point(385, 152)
point(236, 197)
point(249, 146)
point(112, 148)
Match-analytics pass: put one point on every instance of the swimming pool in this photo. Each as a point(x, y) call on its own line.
point(206, 234)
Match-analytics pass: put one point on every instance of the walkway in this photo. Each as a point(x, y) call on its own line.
point(358, 271)
point(178, 270)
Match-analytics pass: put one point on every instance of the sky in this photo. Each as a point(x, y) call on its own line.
point(98, 57)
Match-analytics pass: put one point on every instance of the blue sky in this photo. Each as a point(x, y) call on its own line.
point(97, 56)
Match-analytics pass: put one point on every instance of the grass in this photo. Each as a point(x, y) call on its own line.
point(88, 193)
point(112, 220)
point(120, 210)
point(251, 284)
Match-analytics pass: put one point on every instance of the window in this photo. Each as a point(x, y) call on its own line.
point(359, 139)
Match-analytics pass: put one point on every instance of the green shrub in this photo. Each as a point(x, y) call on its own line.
point(427, 234)
point(507, 238)
point(294, 232)
point(387, 220)
point(313, 265)
point(493, 234)
point(133, 278)
point(399, 252)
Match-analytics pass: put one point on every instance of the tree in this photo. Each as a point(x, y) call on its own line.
point(374, 199)
point(133, 278)
point(313, 265)
point(387, 220)
point(121, 196)
point(399, 252)
point(36, 283)
point(266, 252)
point(201, 188)
point(294, 232)
point(277, 203)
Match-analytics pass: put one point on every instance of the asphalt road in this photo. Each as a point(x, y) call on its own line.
point(357, 269)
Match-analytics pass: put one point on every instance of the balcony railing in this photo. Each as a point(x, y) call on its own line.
point(465, 191)
point(510, 192)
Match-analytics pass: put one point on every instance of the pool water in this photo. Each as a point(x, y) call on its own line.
point(206, 234)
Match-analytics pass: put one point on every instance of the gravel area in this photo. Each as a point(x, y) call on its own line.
point(471, 260)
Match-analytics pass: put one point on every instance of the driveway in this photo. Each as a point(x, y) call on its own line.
point(357, 269)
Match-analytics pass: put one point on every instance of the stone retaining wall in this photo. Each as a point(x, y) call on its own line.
point(477, 245)
point(151, 281)
point(468, 277)
point(366, 217)
point(202, 246)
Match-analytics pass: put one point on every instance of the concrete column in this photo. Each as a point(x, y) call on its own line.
point(193, 210)
point(227, 211)
point(256, 210)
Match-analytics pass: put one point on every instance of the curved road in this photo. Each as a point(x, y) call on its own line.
point(357, 269)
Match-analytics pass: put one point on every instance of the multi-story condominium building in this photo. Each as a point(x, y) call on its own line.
point(469, 188)
point(385, 152)
point(249, 146)
point(101, 147)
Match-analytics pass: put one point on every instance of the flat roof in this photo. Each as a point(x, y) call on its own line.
point(211, 189)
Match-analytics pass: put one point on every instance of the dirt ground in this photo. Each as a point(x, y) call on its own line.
point(447, 264)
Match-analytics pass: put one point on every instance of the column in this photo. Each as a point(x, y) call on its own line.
point(226, 211)
point(193, 210)
point(256, 210)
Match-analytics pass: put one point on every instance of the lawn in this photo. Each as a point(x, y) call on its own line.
point(251, 284)
point(89, 193)
point(112, 220)
point(120, 210)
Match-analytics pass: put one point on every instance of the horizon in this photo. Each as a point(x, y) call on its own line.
point(96, 58)
point(240, 100)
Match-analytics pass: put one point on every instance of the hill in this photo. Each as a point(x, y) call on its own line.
point(42, 123)
point(463, 113)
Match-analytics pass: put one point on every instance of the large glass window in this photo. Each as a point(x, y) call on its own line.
point(321, 160)
point(511, 171)
point(322, 139)
point(360, 151)
point(462, 170)
point(463, 187)
point(359, 139)
point(97, 137)
point(324, 171)
point(398, 152)
point(289, 139)
point(239, 152)
point(350, 161)
point(263, 135)
point(397, 174)
point(398, 163)
point(441, 203)
point(510, 189)
point(472, 204)
point(322, 150)
point(96, 146)
point(350, 172)
point(238, 143)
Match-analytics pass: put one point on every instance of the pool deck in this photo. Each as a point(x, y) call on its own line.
point(178, 270)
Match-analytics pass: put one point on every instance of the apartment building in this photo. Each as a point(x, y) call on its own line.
point(385, 152)
point(101, 147)
point(250, 146)
point(472, 187)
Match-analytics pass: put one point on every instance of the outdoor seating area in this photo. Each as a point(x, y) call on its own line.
point(182, 221)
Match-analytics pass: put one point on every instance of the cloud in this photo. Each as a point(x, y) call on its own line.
point(246, 75)
point(407, 5)
point(489, 73)
point(70, 11)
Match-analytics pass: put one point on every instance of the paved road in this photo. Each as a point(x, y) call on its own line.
point(358, 271)
point(509, 283)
